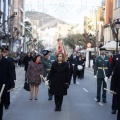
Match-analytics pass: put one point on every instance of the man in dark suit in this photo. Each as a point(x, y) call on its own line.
point(5, 52)
point(6, 77)
point(111, 69)
point(115, 83)
point(73, 66)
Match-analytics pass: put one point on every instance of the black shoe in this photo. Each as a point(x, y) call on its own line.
point(49, 98)
point(36, 98)
point(56, 109)
point(97, 100)
point(6, 107)
point(59, 109)
point(104, 101)
point(113, 112)
point(74, 82)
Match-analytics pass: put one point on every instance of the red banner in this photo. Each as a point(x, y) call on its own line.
point(60, 46)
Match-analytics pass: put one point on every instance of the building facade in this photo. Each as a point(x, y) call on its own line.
point(17, 27)
point(116, 11)
point(5, 17)
point(108, 15)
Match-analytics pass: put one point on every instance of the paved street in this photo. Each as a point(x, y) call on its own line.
point(79, 104)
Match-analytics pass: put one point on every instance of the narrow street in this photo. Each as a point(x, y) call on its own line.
point(79, 104)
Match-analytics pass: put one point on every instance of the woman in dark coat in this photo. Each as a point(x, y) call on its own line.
point(58, 80)
point(27, 60)
point(79, 71)
point(115, 85)
point(35, 69)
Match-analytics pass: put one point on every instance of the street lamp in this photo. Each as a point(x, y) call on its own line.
point(90, 36)
point(23, 43)
point(117, 26)
point(7, 35)
point(29, 45)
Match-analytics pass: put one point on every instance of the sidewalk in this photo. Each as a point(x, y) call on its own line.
point(90, 69)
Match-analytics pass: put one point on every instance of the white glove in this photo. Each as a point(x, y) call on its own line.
point(106, 79)
point(45, 78)
point(95, 76)
point(15, 80)
point(47, 82)
point(41, 76)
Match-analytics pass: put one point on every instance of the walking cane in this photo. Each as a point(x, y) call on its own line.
point(104, 79)
point(15, 88)
point(1, 92)
point(44, 80)
point(73, 69)
point(110, 91)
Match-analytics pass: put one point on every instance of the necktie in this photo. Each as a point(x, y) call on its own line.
point(103, 57)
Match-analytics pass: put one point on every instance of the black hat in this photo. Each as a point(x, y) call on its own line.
point(102, 49)
point(6, 49)
point(2, 49)
point(45, 52)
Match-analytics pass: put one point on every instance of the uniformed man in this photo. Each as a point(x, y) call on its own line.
point(47, 63)
point(6, 77)
point(100, 72)
point(111, 69)
point(6, 102)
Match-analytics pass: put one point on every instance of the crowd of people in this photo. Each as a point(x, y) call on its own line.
point(58, 70)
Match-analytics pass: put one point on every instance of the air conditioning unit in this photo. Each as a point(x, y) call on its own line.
point(15, 13)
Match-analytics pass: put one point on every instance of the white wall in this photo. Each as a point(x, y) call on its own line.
point(107, 35)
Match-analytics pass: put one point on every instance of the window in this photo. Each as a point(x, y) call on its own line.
point(117, 3)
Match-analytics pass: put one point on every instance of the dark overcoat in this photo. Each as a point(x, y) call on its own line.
point(13, 66)
point(6, 75)
point(72, 60)
point(115, 59)
point(115, 83)
point(58, 77)
point(26, 61)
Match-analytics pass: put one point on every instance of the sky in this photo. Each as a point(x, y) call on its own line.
point(70, 11)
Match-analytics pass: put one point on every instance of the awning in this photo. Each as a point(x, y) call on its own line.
point(111, 46)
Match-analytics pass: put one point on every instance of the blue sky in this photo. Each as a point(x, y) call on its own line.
point(71, 11)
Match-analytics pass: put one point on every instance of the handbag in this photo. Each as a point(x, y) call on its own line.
point(79, 67)
point(26, 86)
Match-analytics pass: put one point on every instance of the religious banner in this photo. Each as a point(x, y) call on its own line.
point(60, 46)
